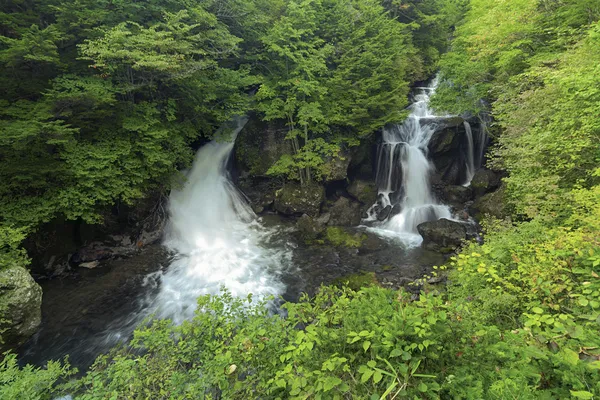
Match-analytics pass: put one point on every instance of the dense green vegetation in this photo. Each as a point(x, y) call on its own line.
point(101, 99)
point(520, 316)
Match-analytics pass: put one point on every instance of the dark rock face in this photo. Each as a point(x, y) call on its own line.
point(457, 194)
point(294, 199)
point(336, 168)
point(363, 191)
point(260, 192)
point(484, 181)
point(20, 306)
point(446, 137)
point(490, 204)
point(345, 212)
point(442, 235)
point(260, 144)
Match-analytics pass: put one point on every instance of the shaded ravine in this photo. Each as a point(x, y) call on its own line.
point(213, 240)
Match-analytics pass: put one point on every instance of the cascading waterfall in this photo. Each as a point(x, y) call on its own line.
point(217, 241)
point(403, 172)
point(217, 238)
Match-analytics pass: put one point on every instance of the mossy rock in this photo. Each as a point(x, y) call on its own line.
point(341, 238)
point(493, 204)
point(260, 144)
point(363, 191)
point(358, 281)
point(294, 199)
point(484, 181)
point(20, 306)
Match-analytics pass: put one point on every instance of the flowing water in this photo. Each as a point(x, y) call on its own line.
point(215, 240)
point(403, 173)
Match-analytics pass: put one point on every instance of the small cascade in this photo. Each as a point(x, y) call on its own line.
point(403, 173)
point(470, 167)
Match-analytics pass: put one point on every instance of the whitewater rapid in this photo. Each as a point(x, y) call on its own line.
point(403, 174)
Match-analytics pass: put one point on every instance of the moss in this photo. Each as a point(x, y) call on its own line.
point(340, 237)
point(387, 268)
point(358, 281)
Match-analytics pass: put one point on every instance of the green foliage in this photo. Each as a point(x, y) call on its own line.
point(10, 252)
point(30, 383)
point(537, 64)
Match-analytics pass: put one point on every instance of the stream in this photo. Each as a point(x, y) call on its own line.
point(214, 240)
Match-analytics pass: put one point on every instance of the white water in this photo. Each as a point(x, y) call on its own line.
point(470, 154)
point(218, 240)
point(403, 173)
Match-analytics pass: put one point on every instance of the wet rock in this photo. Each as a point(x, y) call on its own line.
point(259, 192)
point(397, 209)
point(363, 191)
point(442, 235)
point(458, 194)
point(384, 213)
point(97, 251)
point(90, 265)
point(372, 243)
point(294, 199)
point(484, 181)
point(445, 139)
point(491, 204)
point(309, 228)
point(20, 306)
point(345, 212)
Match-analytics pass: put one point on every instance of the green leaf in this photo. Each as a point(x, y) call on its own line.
point(582, 394)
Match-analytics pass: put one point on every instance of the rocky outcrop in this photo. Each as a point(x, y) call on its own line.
point(260, 192)
point(455, 194)
point(20, 306)
point(345, 212)
point(294, 199)
point(492, 204)
point(260, 144)
point(336, 168)
point(446, 136)
point(309, 228)
point(363, 191)
point(484, 181)
point(442, 235)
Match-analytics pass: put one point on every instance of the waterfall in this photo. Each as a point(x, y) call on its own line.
point(217, 238)
point(470, 167)
point(403, 172)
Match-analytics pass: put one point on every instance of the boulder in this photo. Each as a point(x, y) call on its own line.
point(484, 181)
point(490, 204)
point(345, 212)
point(336, 168)
point(445, 139)
point(309, 228)
point(458, 194)
point(20, 306)
point(363, 191)
point(294, 199)
point(442, 235)
point(384, 213)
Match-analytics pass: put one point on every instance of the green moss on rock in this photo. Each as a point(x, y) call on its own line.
point(358, 281)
